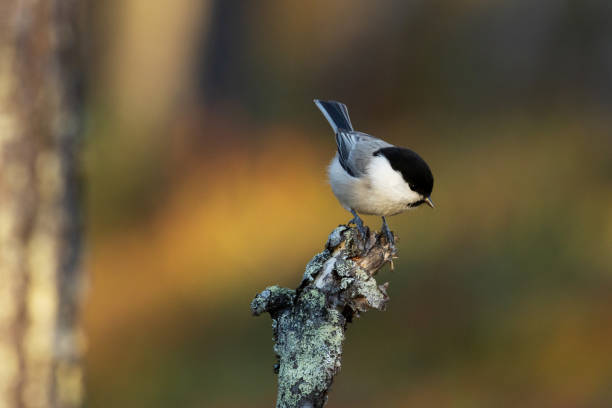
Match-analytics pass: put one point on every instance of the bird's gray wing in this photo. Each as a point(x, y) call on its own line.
point(346, 141)
point(356, 149)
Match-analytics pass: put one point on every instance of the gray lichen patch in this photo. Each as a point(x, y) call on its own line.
point(309, 346)
point(336, 237)
point(314, 266)
point(366, 288)
point(272, 299)
point(345, 267)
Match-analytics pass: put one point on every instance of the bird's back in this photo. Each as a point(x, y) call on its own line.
point(355, 149)
point(361, 149)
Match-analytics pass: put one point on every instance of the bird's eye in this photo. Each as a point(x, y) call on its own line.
point(412, 187)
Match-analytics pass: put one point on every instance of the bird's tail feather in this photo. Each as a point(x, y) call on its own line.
point(336, 114)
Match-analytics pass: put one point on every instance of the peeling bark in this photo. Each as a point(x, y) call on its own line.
point(309, 323)
point(40, 281)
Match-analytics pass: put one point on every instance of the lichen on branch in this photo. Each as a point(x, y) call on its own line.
point(309, 323)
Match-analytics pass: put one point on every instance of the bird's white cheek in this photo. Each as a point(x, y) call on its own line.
point(389, 183)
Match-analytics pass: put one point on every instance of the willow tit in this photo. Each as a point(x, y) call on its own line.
point(371, 176)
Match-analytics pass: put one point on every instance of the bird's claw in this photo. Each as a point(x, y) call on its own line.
point(388, 234)
point(363, 230)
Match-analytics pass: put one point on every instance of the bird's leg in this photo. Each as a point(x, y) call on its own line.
point(359, 223)
point(388, 233)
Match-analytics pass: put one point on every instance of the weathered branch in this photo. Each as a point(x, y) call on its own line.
point(309, 322)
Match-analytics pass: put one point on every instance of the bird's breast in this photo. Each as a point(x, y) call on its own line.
point(381, 191)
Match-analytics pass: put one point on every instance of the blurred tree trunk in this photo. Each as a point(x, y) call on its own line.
point(40, 278)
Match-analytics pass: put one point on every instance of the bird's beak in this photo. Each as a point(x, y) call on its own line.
point(429, 202)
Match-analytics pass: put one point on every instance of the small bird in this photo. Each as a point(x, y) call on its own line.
point(371, 176)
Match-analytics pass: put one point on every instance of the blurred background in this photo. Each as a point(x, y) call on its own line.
point(205, 159)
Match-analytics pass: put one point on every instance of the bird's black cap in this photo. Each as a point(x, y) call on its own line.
point(413, 168)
